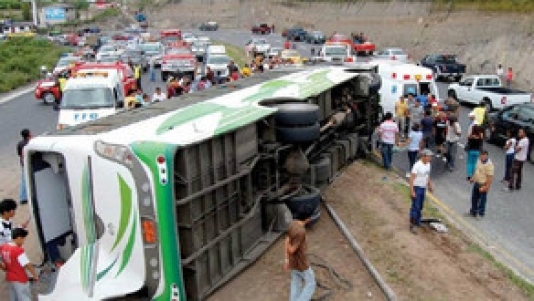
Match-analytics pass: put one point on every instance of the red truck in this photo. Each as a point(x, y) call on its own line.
point(365, 47)
point(178, 61)
point(261, 29)
point(168, 36)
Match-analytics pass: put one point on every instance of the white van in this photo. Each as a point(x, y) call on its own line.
point(399, 78)
point(337, 53)
point(89, 95)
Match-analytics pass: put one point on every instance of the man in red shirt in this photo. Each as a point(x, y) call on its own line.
point(14, 262)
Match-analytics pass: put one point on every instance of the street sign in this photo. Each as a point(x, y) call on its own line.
point(54, 14)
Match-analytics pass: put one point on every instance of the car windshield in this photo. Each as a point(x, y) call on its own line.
point(260, 42)
point(110, 59)
point(218, 60)
point(398, 52)
point(449, 59)
point(317, 33)
point(150, 47)
point(290, 53)
point(87, 98)
point(66, 61)
point(177, 51)
point(170, 39)
point(335, 51)
point(132, 53)
point(107, 48)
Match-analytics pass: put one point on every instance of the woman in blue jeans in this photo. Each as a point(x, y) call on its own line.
point(474, 146)
point(302, 276)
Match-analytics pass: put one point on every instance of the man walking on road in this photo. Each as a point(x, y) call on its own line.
point(419, 183)
point(389, 137)
point(481, 179)
point(26, 136)
point(521, 151)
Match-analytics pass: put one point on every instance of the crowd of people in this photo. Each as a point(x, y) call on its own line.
point(427, 129)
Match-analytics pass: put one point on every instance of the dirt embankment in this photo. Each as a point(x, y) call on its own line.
point(480, 39)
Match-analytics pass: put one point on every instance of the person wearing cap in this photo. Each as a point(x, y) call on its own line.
point(419, 183)
point(481, 179)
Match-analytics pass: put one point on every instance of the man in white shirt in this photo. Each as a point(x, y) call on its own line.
point(419, 183)
point(158, 95)
point(521, 151)
point(389, 137)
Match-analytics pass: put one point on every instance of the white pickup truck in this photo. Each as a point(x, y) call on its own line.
point(487, 89)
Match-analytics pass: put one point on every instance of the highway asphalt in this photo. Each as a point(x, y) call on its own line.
point(505, 229)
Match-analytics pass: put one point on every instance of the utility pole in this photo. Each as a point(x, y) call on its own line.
point(34, 12)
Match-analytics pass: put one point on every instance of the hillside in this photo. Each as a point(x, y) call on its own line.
point(481, 39)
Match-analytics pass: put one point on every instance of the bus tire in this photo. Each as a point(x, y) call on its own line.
point(298, 134)
point(296, 114)
point(303, 206)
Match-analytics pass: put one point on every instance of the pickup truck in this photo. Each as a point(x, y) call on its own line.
point(487, 89)
point(261, 29)
point(444, 66)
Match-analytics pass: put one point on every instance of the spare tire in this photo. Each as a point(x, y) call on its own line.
point(298, 134)
point(303, 206)
point(296, 114)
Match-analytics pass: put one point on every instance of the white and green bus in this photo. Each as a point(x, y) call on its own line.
point(170, 201)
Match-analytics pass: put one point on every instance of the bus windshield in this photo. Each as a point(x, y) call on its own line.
point(87, 98)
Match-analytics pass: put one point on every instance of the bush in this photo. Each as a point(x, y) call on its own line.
point(21, 58)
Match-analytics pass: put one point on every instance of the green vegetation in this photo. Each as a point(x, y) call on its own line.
point(21, 58)
point(235, 53)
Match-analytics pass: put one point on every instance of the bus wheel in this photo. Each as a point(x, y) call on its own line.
point(298, 134)
point(296, 114)
point(304, 205)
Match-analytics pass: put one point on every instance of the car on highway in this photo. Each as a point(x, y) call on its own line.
point(178, 62)
point(152, 51)
point(487, 90)
point(315, 37)
point(168, 36)
point(336, 53)
point(48, 90)
point(392, 53)
point(262, 28)
point(64, 62)
point(293, 56)
point(219, 64)
point(188, 37)
point(199, 49)
point(444, 66)
point(257, 46)
point(296, 34)
point(511, 118)
point(108, 50)
point(274, 52)
point(209, 26)
point(136, 56)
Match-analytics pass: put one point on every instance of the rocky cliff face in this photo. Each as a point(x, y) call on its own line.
point(481, 40)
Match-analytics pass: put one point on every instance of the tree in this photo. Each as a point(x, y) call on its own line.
point(26, 11)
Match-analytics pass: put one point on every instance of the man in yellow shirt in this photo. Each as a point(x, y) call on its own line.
point(401, 111)
point(245, 72)
point(480, 114)
point(130, 101)
point(481, 179)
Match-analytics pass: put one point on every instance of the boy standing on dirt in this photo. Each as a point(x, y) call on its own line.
point(419, 183)
point(15, 262)
point(302, 276)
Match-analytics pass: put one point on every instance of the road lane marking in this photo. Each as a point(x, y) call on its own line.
point(16, 94)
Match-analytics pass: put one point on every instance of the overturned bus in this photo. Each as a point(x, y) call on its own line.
point(170, 201)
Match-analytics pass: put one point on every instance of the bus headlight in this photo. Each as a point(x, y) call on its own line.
point(115, 152)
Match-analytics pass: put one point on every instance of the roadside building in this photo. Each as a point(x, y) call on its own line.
point(12, 27)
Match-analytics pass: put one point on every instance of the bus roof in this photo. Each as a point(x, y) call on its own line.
point(201, 115)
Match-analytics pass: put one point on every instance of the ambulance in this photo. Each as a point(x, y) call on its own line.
point(399, 78)
point(89, 95)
